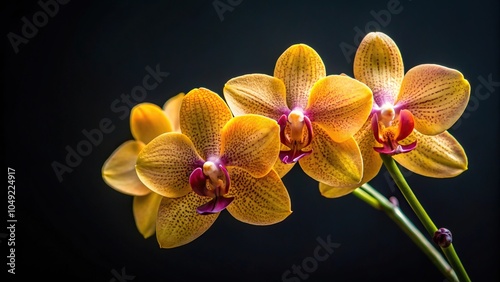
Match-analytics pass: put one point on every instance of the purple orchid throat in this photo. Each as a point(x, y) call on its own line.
point(292, 135)
point(211, 180)
point(390, 138)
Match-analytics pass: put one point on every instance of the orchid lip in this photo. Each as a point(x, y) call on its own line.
point(211, 180)
point(292, 135)
point(389, 136)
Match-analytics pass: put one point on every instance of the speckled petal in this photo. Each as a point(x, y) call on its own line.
point(378, 64)
point(371, 159)
point(256, 94)
point(258, 201)
point(299, 67)
point(252, 143)
point(435, 95)
point(203, 115)
point(371, 162)
point(119, 170)
point(145, 210)
point(178, 223)
point(340, 105)
point(439, 156)
point(166, 163)
point(335, 164)
point(172, 109)
point(148, 121)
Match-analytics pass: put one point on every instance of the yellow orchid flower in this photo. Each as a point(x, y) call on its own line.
point(218, 162)
point(318, 114)
point(411, 113)
point(147, 121)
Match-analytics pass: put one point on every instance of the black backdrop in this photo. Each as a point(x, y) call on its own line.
point(62, 76)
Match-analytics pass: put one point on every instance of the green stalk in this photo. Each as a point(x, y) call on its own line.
point(422, 215)
point(371, 196)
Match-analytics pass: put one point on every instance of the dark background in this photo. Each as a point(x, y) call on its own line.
point(66, 77)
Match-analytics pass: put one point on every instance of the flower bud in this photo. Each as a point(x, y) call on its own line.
point(443, 237)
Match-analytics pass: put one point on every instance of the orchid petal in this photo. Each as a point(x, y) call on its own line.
point(148, 121)
point(258, 201)
point(250, 142)
point(439, 156)
point(335, 164)
point(371, 159)
point(172, 109)
point(332, 192)
point(435, 95)
point(340, 105)
point(178, 223)
point(299, 67)
point(379, 64)
point(371, 162)
point(118, 170)
point(203, 115)
point(165, 164)
point(256, 94)
point(145, 210)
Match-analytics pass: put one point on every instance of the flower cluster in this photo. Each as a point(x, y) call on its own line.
point(203, 153)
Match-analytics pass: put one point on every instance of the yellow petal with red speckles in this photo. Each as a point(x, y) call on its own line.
point(335, 164)
point(203, 115)
point(371, 162)
point(118, 170)
point(172, 109)
point(148, 121)
point(252, 143)
point(256, 94)
point(145, 209)
point(258, 201)
point(165, 164)
point(439, 156)
point(435, 95)
point(178, 223)
point(371, 158)
point(378, 64)
point(299, 67)
point(340, 105)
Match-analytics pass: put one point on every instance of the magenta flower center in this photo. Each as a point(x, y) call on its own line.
point(296, 133)
point(391, 126)
point(211, 180)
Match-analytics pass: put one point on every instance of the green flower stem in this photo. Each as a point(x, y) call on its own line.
point(422, 215)
point(371, 196)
